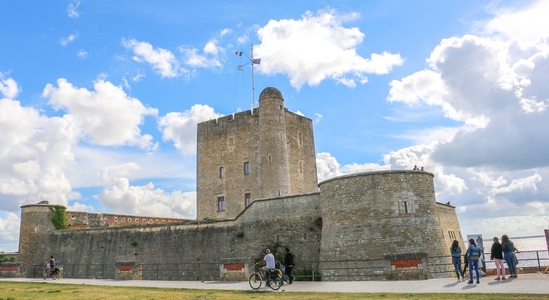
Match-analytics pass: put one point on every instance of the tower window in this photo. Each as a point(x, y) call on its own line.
point(270, 158)
point(221, 172)
point(246, 168)
point(221, 203)
point(248, 199)
point(405, 207)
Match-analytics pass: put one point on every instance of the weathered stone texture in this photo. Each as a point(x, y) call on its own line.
point(278, 146)
point(374, 214)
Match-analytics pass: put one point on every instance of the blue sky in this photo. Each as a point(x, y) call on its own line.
point(99, 100)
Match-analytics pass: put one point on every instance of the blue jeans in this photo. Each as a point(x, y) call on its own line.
point(473, 264)
point(456, 261)
point(510, 260)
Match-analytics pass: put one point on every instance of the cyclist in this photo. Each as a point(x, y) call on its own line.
point(268, 262)
point(50, 265)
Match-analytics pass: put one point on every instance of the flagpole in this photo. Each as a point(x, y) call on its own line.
point(253, 83)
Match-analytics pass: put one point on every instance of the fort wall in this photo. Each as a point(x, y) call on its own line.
point(288, 221)
point(386, 215)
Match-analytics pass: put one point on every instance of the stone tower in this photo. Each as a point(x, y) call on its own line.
point(264, 153)
point(36, 225)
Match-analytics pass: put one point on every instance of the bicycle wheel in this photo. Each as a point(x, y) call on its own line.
point(54, 275)
point(45, 274)
point(275, 284)
point(255, 281)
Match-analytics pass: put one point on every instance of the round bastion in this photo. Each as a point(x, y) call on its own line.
point(377, 214)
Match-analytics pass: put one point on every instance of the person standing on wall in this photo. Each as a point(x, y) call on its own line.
point(289, 260)
point(456, 259)
point(496, 254)
point(474, 255)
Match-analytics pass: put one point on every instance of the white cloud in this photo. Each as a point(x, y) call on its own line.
point(72, 9)
point(107, 115)
point(526, 23)
point(9, 232)
point(327, 166)
point(34, 150)
point(478, 81)
point(8, 87)
point(121, 197)
point(318, 47)
point(71, 38)
point(162, 61)
point(181, 127)
point(82, 54)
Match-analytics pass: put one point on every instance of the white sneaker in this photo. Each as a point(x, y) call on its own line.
point(459, 280)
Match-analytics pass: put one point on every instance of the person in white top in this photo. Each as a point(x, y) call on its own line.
point(268, 262)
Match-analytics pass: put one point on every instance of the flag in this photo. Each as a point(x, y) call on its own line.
point(240, 68)
point(256, 61)
point(239, 53)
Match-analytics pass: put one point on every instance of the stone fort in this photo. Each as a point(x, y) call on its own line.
point(257, 188)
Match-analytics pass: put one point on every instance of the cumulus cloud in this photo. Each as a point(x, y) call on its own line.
point(8, 87)
point(146, 200)
point(9, 231)
point(318, 47)
point(34, 150)
point(107, 115)
point(492, 85)
point(161, 60)
point(495, 84)
point(328, 167)
point(180, 127)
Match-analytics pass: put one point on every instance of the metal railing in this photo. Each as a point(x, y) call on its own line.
point(342, 270)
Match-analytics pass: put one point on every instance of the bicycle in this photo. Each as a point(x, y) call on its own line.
point(272, 280)
point(53, 274)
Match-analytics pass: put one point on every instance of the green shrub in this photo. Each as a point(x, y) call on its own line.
point(59, 217)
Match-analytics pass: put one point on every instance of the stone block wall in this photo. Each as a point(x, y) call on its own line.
point(375, 214)
point(375, 226)
point(288, 221)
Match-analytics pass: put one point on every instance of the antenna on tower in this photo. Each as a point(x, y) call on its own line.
point(253, 61)
point(253, 83)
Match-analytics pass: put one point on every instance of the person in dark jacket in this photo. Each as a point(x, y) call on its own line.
point(496, 254)
point(473, 253)
point(456, 259)
point(289, 260)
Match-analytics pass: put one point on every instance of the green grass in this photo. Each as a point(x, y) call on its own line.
point(25, 290)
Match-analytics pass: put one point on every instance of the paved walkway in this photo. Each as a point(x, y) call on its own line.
point(525, 284)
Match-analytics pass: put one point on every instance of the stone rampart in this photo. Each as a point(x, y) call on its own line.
point(288, 221)
point(381, 216)
point(382, 225)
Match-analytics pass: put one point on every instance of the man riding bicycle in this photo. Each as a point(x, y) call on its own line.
point(50, 265)
point(268, 262)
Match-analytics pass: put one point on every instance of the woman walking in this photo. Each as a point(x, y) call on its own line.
point(509, 255)
point(474, 255)
point(496, 254)
point(456, 259)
